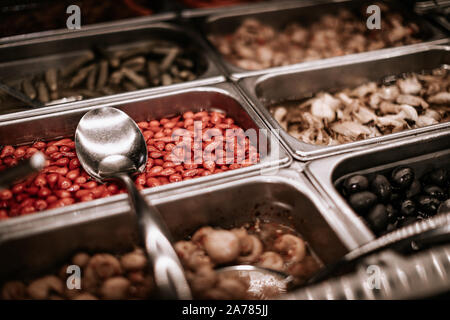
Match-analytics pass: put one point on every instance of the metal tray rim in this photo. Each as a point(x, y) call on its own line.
point(120, 97)
point(154, 18)
point(212, 13)
point(345, 58)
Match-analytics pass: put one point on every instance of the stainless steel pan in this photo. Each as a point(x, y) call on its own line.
point(35, 56)
point(300, 82)
point(421, 152)
point(41, 244)
point(62, 121)
point(277, 14)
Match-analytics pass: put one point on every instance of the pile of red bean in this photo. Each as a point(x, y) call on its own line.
point(64, 182)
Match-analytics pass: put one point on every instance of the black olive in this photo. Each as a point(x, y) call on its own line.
point(395, 196)
point(399, 221)
point(407, 221)
point(396, 200)
point(424, 215)
point(355, 184)
point(408, 207)
point(438, 177)
point(392, 213)
point(428, 205)
point(402, 177)
point(391, 227)
point(362, 201)
point(444, 207)
point(381, 187)
point(378, 218)
point(435, 192)
point(413, 190)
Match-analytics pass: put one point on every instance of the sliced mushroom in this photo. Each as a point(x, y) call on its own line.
point(350, 129)
point(440, 98)
point(409, 85)
point(412, 100)
point(325, 107)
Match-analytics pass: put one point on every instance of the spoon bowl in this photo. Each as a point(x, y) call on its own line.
point(109, 143)
point(110, 146)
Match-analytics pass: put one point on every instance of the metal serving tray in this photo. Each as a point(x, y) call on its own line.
point(303, 81)
point(164, 15)
point(287, 198)
point(421, 152)
point(62, 122)
point(277, 14)
point(37, 55)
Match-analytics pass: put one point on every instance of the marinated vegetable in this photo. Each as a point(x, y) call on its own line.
point(368, 111)
point(128, 276)
point(103, 276)
point(105, 72)
point(262, 243)
point(255, 45)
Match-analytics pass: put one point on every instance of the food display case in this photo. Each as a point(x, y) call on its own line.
point(312, 147)
point(25, 19)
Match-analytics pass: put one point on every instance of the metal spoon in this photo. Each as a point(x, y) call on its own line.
point(23, 170)
point(110, 145)
point(262, 283)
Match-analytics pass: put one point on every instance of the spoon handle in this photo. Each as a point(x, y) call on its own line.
point(23, 170)
point(168, 271)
